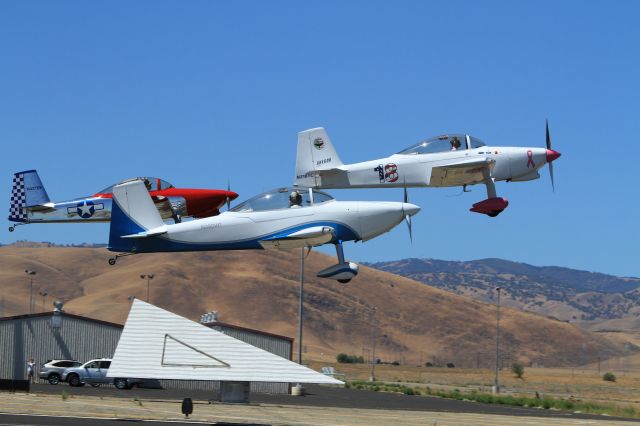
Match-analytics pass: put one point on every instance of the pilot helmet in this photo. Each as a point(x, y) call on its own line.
point(295, 198)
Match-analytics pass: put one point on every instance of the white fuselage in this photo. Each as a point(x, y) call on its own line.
point(231, 230)
point(415, 170)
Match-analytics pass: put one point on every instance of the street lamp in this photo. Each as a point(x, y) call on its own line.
point(31, 274)
point(147, 277)
point(372, 377)
point(497, 378)
point(301, 306)
point(44, 295)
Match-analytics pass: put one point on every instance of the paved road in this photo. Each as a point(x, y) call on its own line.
point(322, 396)
point(30, 420)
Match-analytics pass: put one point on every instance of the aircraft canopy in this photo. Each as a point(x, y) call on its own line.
point(443, 143)
point(282, 198)
point(152, 183)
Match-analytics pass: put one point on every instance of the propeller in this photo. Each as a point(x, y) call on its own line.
point(551, 156)
point(407, 217)
point(227, 196)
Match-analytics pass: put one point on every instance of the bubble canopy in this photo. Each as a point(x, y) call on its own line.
point(443, 143)
point(152, 184)
point(283, 198)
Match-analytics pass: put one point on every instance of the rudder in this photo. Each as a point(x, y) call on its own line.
point(315, 153)
point(27, 191)
point(132, 212)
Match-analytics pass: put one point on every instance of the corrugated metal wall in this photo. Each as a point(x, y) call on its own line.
point(24, 338)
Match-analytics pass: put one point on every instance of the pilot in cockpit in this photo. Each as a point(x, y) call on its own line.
point(295, 199)
point(455, 143)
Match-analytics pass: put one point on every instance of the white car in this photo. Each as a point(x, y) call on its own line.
point(94, 372)
point(52, 370)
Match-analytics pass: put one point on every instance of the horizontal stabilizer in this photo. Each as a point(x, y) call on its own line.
point(146, 234)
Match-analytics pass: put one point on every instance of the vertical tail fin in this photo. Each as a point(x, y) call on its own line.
point(27, 191)
point(315, 153)
point(132, 212)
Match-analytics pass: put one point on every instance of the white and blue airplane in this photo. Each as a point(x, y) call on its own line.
point(284, 218)
point(441, 161)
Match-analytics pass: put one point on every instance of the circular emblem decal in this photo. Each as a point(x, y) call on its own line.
point(318, 143)
point(85, 209)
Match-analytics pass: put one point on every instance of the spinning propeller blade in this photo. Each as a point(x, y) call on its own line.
point(407, 218)
point(551, 156)
point(228, 199)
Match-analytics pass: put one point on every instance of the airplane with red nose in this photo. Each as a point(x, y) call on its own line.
point(442, 161)
point(30, 202)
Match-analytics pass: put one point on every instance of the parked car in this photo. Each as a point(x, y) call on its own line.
point(52, 370)
point(94, 372)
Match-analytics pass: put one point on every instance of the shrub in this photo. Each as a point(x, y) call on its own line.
point(349, 359)
point(609, 377)
point(450, 365)
point(517, 369)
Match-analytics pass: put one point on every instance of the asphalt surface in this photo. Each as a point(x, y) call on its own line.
point(324, 396)
point(29, 420)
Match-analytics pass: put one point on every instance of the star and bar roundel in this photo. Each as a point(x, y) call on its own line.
point(85, 208)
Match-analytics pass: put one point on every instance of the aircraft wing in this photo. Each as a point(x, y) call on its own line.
point(461, 172)
point(314, 236)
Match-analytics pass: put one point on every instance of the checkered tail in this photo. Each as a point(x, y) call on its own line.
point(18, 203)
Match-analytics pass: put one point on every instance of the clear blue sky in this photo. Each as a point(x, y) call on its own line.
point(201, 92)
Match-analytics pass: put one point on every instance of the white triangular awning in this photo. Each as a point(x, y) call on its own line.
point(158, 344)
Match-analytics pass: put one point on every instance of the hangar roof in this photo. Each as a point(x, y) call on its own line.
point(66, 314)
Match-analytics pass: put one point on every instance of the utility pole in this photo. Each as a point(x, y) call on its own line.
point(44, 298)
point(31, 274)
point(147, 277)
point(298, 390)
point(497, 378)
point(372, 377)
point(301, 306)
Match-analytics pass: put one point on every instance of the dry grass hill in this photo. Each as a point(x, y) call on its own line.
point(259, 289)
point(564, 293)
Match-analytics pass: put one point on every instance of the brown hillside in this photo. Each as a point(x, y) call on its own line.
point(259, 289)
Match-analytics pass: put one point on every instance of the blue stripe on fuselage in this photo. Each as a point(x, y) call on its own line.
point(164, 244)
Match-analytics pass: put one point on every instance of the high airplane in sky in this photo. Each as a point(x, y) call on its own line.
point(31, 204)
point(441, 161)
point(283, 218)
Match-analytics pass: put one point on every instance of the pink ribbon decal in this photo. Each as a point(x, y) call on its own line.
point(530, 161)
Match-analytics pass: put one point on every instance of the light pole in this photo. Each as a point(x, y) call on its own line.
point(372, 377)
point(497, 378)
point(31, 274)
point(300, 306)
point(44, 295)
point(147, 277)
